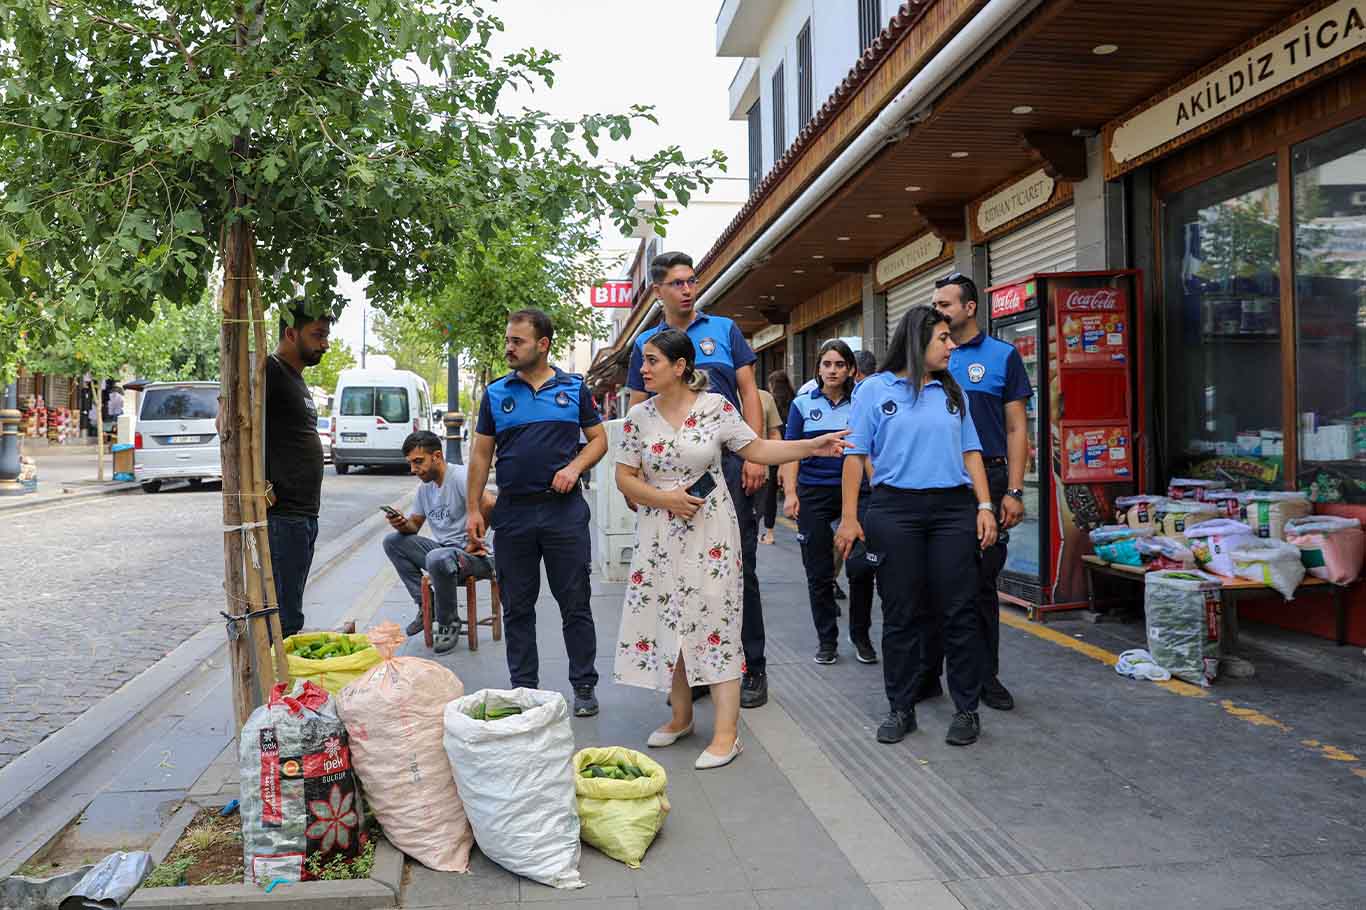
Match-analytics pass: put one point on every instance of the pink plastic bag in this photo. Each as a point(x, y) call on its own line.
point(1332, 548)
point(394, 716)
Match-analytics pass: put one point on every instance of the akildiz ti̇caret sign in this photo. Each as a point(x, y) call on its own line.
point(1290, 53)
point(612, 294)
point(1015, 200)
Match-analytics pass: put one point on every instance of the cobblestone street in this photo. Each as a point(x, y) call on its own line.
point(100, 589)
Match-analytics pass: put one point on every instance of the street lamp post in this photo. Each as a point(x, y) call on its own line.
point(9, 444)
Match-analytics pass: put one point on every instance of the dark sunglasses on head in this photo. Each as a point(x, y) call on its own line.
point(951, 278)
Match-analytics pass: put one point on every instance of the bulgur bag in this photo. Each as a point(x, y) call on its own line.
point(1274, 563)
point(1331, 547)
point(1138, 511)
point(1267, 513)
point(1184, 615)
point(1176, 515)
point(1213, 543)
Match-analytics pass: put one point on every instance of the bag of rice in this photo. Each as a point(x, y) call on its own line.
point(1274, 563)
point(1213, 543)
point(1138, 511)
point(1115, 543)
point(1267, 513)
point(1331, 547)
point(1176, 515)
point(1226, 502)
point(1187, 488)
point(1184, 616)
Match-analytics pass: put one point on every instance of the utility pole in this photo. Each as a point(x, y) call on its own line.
point(453, 419)
point(364, 343)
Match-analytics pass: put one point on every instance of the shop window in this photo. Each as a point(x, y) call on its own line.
point(1329, 180)
point(1222, 382)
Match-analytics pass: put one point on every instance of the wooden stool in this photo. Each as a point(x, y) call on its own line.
point(472, 621)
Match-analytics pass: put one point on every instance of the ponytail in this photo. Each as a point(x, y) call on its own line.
point(696, 380)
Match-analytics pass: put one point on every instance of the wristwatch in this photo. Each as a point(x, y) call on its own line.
point(1017, 494)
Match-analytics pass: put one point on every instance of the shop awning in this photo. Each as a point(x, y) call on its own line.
point(1030, 101)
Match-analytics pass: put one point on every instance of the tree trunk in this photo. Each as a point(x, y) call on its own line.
point(99, 429)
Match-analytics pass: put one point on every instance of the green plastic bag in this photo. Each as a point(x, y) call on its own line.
point(621, 817)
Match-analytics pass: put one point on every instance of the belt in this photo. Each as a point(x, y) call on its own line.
point(930, 491)
point(543, 496)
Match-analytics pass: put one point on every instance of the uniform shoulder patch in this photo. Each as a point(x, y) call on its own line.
point(889, 407)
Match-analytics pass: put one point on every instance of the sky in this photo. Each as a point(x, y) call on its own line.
point(615, 53)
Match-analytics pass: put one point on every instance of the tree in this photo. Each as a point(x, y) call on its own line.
point(337, 358)
point(286, 140)
point(413, 346)
point(178, 343)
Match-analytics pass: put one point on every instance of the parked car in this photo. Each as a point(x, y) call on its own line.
point(325, 437)
point(176, 438)
point(374, 411)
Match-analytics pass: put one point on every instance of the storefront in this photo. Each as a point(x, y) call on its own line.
point(1028, 226)
point(770, 346)
point(907, 275)
point(834, 313)
point(1259, 261)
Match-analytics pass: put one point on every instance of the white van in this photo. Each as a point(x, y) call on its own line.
point(176, 436)
point(373, 411)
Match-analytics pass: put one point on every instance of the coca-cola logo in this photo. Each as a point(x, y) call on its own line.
point(1007, 301)
point(1096, 299)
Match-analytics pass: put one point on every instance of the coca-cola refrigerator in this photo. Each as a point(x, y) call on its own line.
point(1079, 340)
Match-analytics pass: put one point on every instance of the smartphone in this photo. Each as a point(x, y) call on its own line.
point(703, 487)
point(391, 511)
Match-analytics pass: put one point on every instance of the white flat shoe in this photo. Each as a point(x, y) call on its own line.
point(707, 760)
point(660, 738)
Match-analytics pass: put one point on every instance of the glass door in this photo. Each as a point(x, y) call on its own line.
point(1026, 543)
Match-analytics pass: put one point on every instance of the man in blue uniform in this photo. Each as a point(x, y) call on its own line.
point(531, 418)
point(723, 352)
point(992, 374)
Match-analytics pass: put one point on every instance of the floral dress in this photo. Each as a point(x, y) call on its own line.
point(685, 589)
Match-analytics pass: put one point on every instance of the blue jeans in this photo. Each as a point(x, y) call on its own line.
point(448, 567)
point(292, 538)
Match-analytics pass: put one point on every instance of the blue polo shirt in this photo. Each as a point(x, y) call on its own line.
point(536, 431)
point(721, 350)
point(914, 441)
point(812, 415)
point(992, 373)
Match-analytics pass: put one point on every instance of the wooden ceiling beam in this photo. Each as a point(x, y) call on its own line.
point(775, 315)
point(949, 222)
point(1063, 155)
point(849, 266)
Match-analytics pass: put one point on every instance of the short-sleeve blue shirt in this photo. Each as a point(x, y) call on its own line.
point(536, 431)
point(992, 373)
point(721, 351)
point(915, 443)
point(812, 415)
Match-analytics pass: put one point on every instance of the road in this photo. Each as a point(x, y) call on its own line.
point(104, 587)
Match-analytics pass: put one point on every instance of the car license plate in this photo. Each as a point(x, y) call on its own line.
point(353, 437)
point(183, 440)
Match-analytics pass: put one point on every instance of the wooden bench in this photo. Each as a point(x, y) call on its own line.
point(1234, 590)
point(472, 621)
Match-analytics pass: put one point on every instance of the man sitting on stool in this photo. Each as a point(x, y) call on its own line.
point(448, 556)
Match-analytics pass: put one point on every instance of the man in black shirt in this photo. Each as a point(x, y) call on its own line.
point(294, 458)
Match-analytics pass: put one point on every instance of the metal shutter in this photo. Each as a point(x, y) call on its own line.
point(901, 298)
point(1046, 245)
point(58, 392)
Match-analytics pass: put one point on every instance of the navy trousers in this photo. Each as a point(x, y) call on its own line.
point(550, 528)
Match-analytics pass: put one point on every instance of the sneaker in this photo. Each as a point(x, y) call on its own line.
point(826, 654)
point(964, 730)
point(930, 688)
point(445, 637)
point(996, 696)
point(896, 726)
point(415, 627)
point(754, 690)
point(863, 649)
point(585, 702)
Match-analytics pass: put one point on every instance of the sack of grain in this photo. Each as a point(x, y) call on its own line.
point(1267, 513)
point(1184, 614)
point(1176, 515)
point(1138, 511)
point(1331, 547)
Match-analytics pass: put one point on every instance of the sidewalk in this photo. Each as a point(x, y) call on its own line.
point(65, 473)
point(1096, 793)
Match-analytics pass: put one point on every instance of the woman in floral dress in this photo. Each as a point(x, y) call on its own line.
point(681, 622)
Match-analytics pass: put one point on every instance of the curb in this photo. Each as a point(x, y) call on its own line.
point(17, 503)
point(24, 780)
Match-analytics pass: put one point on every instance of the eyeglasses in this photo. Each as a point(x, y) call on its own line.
point(951, 278)
point(679, 284)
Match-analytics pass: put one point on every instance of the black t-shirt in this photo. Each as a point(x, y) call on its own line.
point(294, 454)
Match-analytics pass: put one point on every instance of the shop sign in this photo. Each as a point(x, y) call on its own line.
point(1290, 53)
point(1015, 200)
point(921, 251)
point(1015, 298)
point(766, 336)
point(613, 294)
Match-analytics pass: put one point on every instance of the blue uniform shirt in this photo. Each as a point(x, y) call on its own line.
point(992, 373)
point(915, 444)
point(536, 430)
point(721, 351)
point(814, 415)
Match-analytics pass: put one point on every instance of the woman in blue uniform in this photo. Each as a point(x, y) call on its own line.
point(929, 518)
point(815, 499)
